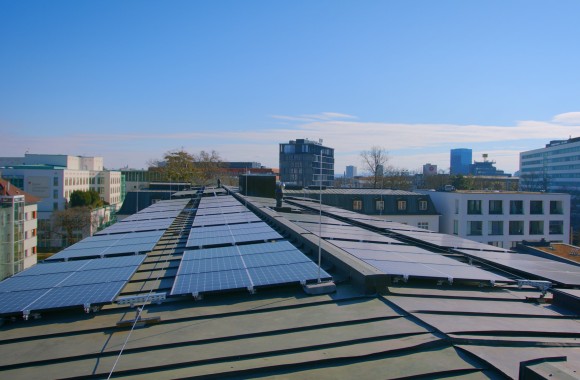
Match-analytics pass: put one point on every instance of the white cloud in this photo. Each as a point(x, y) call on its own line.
point(569, 118)
point(315, 117)
point(410, 145)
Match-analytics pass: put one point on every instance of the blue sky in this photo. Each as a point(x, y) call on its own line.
point(131, 80)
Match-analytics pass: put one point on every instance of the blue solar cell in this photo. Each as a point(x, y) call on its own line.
point(275, 258)
point(211, 281)
point(210, 265)
point(54, 267)
point(282, 274)
point(15, 284)
point(78, 295)
point(17, 301)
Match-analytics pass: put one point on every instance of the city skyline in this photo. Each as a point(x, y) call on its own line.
point(131, 80)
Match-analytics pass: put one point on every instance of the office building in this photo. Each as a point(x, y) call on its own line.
point(503, 219)
point(556, 167)
point(429, 170)
point(305, 163)
point(18, 226)
point(460, 161)
point(53, 178)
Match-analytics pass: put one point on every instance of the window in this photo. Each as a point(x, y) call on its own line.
point(496, 207)
point(556, 208)
point(457, 206)
point(55, 206)
point(496, 244)
point(536, 207)
point(423, 205)
point(55, 181)
point(556, 227)
point(401, 205)
point(516, 227)
point(516, 207)
point(379, 205)
point(55, 194)
point(455, 227)
point(423, 225)
point(474, 228)
point(473, 207)
point(536, 227)
point(357, 205)
point(496, 227)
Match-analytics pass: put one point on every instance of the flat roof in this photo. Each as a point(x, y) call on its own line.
point(419, 328)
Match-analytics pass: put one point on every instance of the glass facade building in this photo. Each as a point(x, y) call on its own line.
point(306, 163)
point(460, 161)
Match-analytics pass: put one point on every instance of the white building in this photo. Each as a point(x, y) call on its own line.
point(553, 168)
point(503, 219)
point(53, 178)
point(18, 226)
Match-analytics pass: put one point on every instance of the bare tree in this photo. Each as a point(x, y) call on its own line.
point(74, 223)
point(207, 165)
point(375, 161)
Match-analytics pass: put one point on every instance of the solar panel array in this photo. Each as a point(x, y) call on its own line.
point(231, 234)
point(110, 245)
point(449, 241)
point(410, 261)
point(67, 284)
point(243, 267)
point(157, 217)
point(546, 269)
point(397, 258)
point(342, 232)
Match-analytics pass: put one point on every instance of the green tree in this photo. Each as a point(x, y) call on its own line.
point(88, 198)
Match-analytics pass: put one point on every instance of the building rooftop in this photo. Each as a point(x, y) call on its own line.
point(7, 189)
point(396, 312)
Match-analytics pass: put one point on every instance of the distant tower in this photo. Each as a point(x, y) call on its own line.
point(460, 161)
point(350, 171)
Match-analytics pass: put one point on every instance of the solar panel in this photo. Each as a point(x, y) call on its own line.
point(78, 296)
point(243, 266)
point(211, 281)
point(411, 261)
point(231, 234)
point(448, 241)
point(211, 220)
point(137, 226)
point(107, 245)
point(345, 233)
point(534, 266)
point(221, 210)
point(65, 284)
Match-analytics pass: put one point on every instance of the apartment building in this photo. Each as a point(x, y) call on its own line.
point(18, 230)
point(503, 219)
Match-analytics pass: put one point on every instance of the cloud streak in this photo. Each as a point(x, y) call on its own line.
point(347, 134)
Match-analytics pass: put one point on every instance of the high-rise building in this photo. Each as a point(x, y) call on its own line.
point(350, 171)
point(460, 161)
point(306, 163)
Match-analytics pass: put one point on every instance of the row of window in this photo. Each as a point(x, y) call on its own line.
point(357, 205)
point(495, 207)
point(515, 227)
